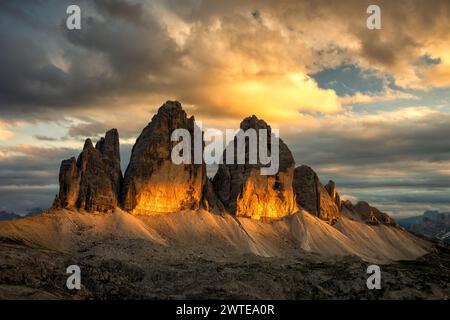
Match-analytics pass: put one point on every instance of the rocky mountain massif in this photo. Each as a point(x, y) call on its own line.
point(153, 184)
point(431, 224)
point(168, 231)
point(93, 181)
point(245, 192)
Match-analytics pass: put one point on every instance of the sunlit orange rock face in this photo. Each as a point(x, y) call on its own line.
point(246, 193)
point(153, 183)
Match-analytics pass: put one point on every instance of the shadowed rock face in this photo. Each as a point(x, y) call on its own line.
point(368, 214)
point(110, 149)
point(245, 192)
point(93, 181)
point(210, 200)
point(152, 182)
point(312, 196)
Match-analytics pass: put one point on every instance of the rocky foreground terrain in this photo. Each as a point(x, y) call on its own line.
point(140, 272)
point(166, 231)
point(198, 255)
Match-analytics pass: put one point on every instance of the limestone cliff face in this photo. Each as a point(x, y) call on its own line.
point(93, 181)
point(69, 184)
point(312, 196)
point(110, 149)
point(245, 192)
point(152, 182)
point(331, 189)
point(365, 212)
point(210, 200)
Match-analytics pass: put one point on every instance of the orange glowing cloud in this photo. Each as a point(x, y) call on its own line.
point(5, 133)
point(275, 98)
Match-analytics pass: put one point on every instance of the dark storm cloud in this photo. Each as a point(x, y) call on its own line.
point(124, 48)
point(32, 166)
point(380, 159)
point(27, 198)
point(437, 198)
point(91, 129)
point(33, 88)
point(44, 138)
point(403, 202)
point(132, 12)
point(28, 79)
point(17, 12)
point(363, 178)
point(109, 57)
point(392, 141)
point(133, 52)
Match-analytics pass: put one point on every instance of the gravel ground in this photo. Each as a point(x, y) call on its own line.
point(118, 269)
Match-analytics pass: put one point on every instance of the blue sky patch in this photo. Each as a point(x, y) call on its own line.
point(347, 80)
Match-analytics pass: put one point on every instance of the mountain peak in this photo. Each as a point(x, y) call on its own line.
point(242, 188)
point(93, 181)
point(312, 196)
point(253, 122)
point(152, 182)
point(171, 106)
point(88, 144)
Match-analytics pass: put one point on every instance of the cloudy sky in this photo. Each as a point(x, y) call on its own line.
point(367, 108)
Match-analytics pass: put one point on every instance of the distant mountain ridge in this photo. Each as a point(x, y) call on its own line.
point(4, 215)
point(431, 224)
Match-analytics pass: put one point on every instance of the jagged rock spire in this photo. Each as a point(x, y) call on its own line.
point(331, 189)
point(93, 181)
point(312, 196)
point(153, 183)
point(366, 213)
point(245, 192)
